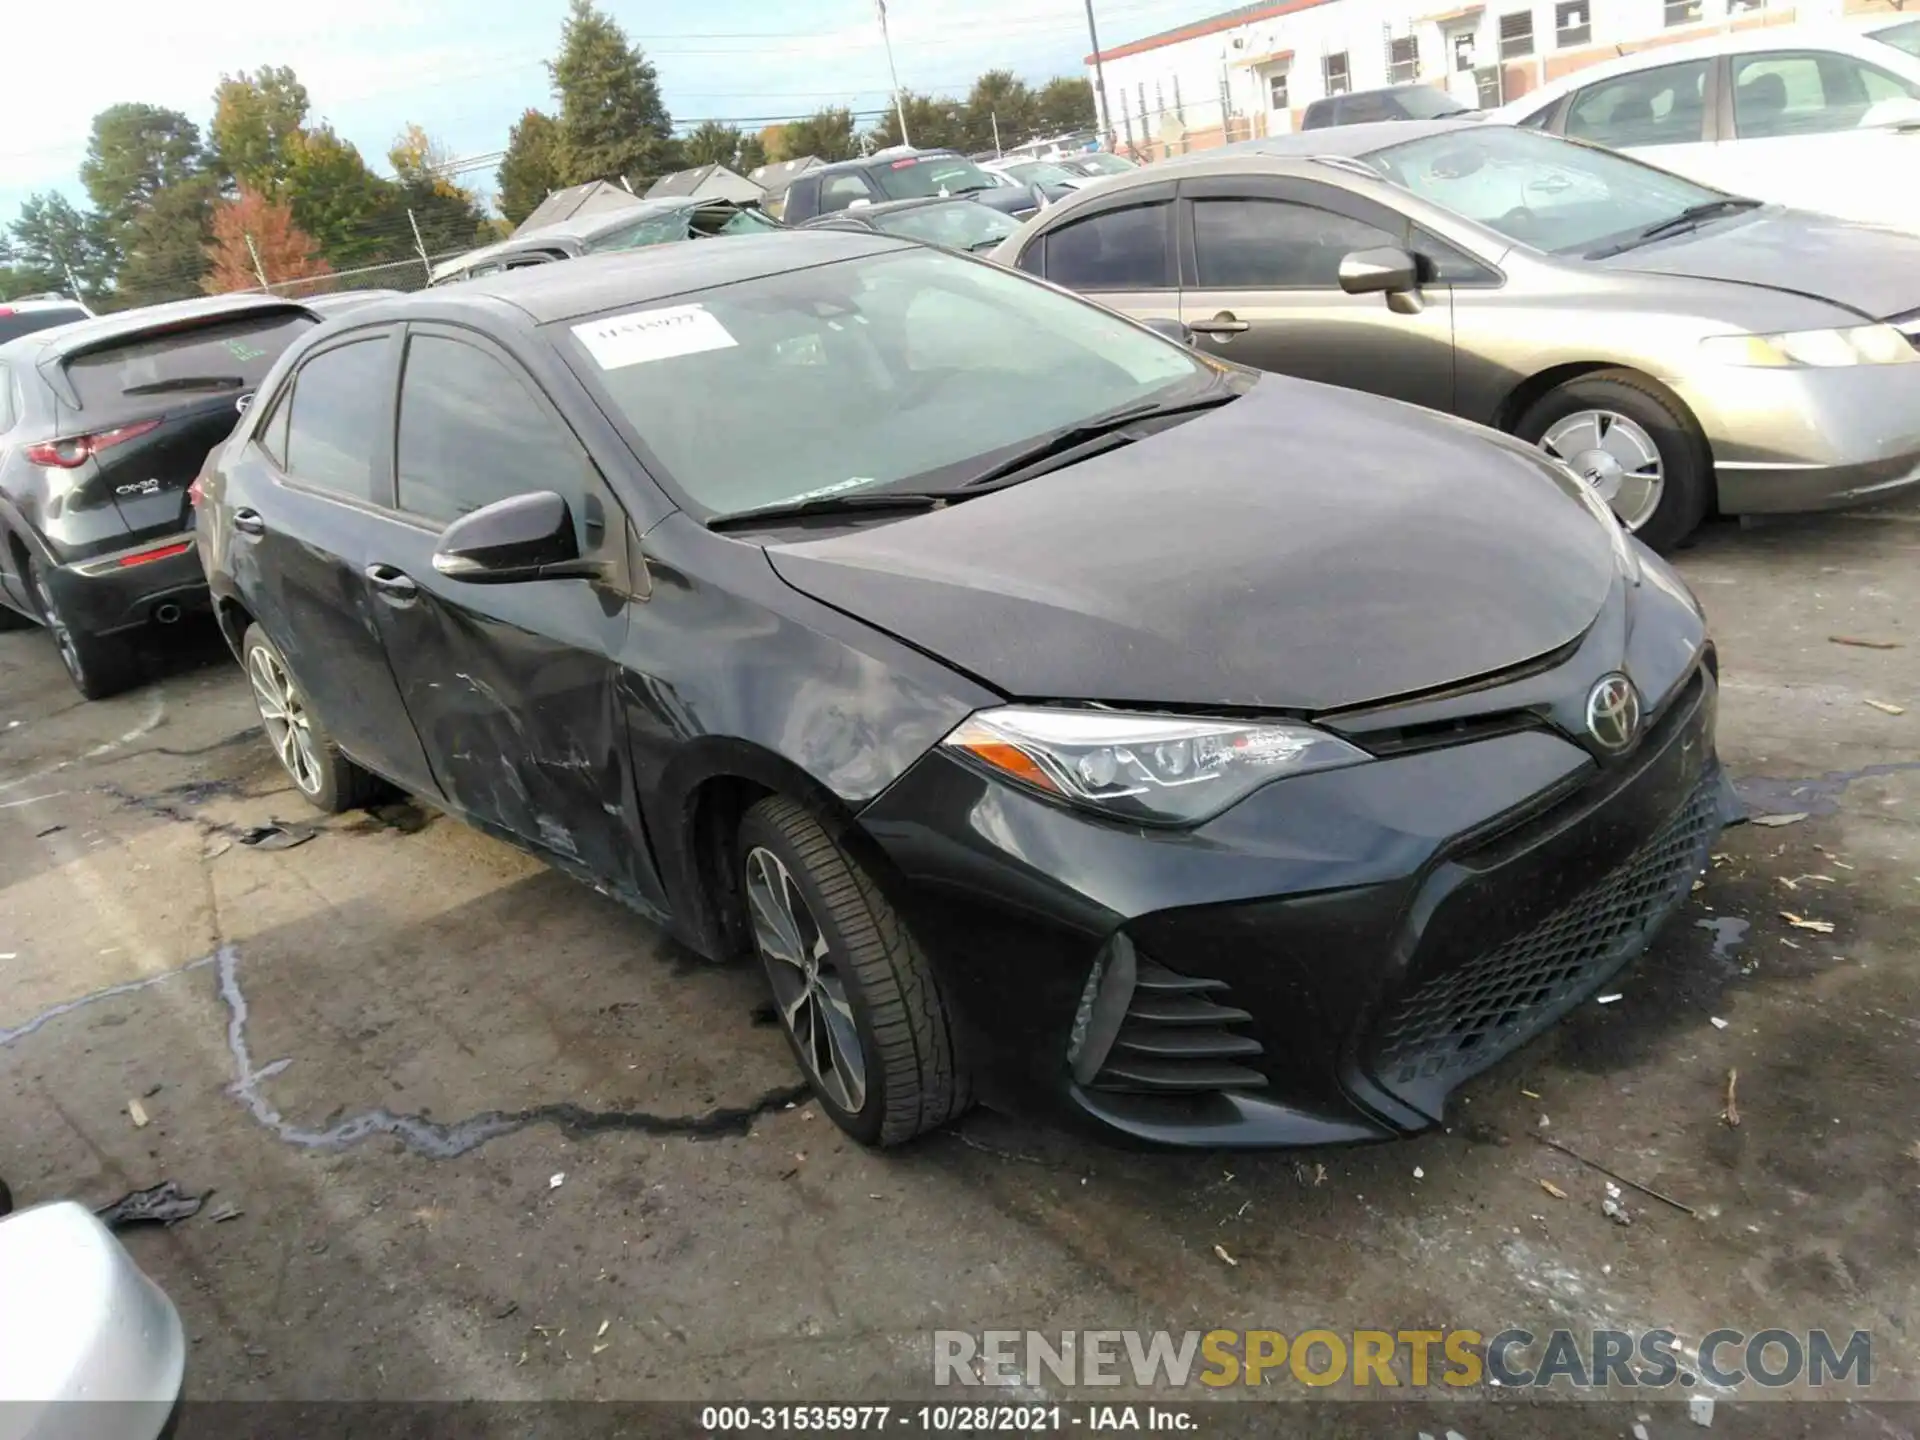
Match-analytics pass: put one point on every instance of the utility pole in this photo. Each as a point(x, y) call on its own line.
point(899, 105)
point(996, 134)
point(1100, 79)
point(426, 261)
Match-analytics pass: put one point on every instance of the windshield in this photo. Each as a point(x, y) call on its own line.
point(920, 175)
point(1042, 172)
point(1102, 164)
point(1551, 194)
point(1425, 102)
point(657, 229)
point(1904, 36)
point(959, 225)
point(862, 374)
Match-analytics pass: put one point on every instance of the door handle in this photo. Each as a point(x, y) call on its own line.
point(394, 584)
point(248, 522)
point(1222, 324)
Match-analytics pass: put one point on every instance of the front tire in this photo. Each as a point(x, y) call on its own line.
point(98, 665)
point(328, 780)
point(855, 995)
point(1635, 444)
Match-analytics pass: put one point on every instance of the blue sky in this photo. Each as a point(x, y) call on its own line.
point(465, 69)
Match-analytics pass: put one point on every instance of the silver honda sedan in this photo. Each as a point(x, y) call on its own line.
point(1680, 348)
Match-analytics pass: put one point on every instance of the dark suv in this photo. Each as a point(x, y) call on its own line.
point(901, 174)
point(104, 425)
point(1395, 102)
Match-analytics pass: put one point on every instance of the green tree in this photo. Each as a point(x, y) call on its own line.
point(712, 144)
point(828, 134)
point(532, 168)
point(135, 152)
point(345, 209)
point(753, 153)
point(1065, 106)
point(52, 236)
point(999, 96)
point(932, 123)
point(449, 217)
point(256, 118)
point(613, 122)
point(163, 249)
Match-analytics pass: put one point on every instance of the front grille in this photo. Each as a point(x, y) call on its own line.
point(1176, 1040)
point(1462, 1021)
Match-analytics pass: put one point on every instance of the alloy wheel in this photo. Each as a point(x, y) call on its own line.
point(1614, 455)
point(63, 637)
point(809, 989)
point(282, 711)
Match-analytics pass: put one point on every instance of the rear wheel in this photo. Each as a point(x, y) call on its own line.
point(1633, 444)
point(328, 779)
point(98, 665)
point(854, 993)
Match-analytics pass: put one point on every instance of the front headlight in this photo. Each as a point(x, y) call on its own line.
point(1860, 345)
point(1157, 769)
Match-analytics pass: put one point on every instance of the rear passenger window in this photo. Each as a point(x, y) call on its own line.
point(339, 400)
point(1114, 250)
point(1662, 106)
point(470, 434)
point(1810, 93)
point(842, 190)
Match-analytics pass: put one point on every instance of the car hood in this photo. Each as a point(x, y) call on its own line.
point(1873, 271)
point(1303, 548)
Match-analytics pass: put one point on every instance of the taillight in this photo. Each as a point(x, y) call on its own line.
point(75, 451)
point(159, 552)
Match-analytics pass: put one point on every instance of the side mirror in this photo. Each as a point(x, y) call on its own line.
point(1177, 331)
point(1388, 271)
point(522, 538)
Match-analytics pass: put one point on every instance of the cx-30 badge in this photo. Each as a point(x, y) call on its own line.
point(1613, 712)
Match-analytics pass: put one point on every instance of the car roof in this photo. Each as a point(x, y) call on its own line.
point(1345, 141)
point(892, 156)
point(639, 277)
point(579, 228)
point(889, 207)
point(62, 342)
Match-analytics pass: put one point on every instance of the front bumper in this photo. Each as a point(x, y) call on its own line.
point(1808, 439)
point(124, 590)
point(1326, 961)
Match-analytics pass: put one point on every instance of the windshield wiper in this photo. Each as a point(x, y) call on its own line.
point(834, 505)
point(186, 382)
point(1673, 225)
point(1060, 445)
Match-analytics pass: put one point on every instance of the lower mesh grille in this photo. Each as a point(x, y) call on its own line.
point(1175, 1038)
point(1460, 1022)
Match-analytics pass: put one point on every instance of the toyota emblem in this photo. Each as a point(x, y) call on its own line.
point(1613, 712)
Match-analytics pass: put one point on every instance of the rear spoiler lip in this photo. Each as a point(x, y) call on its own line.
point(53, 367)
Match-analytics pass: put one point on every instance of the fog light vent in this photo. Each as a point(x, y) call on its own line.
point(1144, 1028)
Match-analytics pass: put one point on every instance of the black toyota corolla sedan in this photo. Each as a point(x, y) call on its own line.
point(1063, 718)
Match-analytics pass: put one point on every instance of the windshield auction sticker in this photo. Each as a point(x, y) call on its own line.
point(640, 336)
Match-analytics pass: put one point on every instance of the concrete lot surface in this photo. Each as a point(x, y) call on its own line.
point(489, 1135)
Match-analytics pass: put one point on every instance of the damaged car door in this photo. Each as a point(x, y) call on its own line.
point(508, 680)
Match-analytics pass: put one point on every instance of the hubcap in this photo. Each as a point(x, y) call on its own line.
point(1615, 456)
point(284, 714)
point(69, 653)
point(808, 988)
